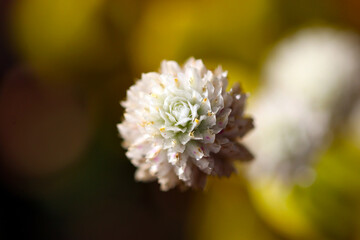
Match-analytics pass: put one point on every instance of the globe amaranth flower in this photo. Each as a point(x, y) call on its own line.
point(181, 125)
point(311, 83)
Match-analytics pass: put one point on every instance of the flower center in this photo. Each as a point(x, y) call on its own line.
point(178, 113)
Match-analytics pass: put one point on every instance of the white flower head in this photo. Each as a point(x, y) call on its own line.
point(312, 80)
point(318, 66)
point(181, 125)
point(289, 134)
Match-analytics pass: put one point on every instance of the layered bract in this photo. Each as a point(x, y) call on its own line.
point(181, 125)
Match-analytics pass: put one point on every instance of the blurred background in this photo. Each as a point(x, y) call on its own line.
point(66, 64)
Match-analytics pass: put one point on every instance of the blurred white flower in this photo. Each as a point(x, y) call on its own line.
point(312, 79)
point(319, 67)
point(181, 125)
point(287, 132)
